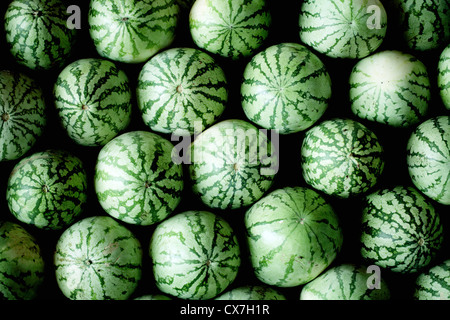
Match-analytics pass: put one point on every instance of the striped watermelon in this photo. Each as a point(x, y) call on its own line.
point(136, 180)
point(434, 283)
point(285, 87)
point(230, 28)
point(443, 79)
point(21, 264)
point(390, 87)
point(341, 157)
point(179, 88)
point(346, 282)
point(195, 255)
point(132, 31)
point(93, 100)
point(401, 230)
point(98, 259)
point(428, 158)
point(293, 235)
point(37, 33)
point(22, 114)
point(343, 29)
point(48, 189)
point(232, 164)
point(252, 292)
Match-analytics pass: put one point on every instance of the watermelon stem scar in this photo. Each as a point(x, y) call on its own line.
point(5, 117)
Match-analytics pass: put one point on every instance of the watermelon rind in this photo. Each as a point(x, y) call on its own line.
point(434, 283)
point(443, 80)
point(252, 292)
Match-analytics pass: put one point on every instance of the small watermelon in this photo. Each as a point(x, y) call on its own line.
point(443, 80)
point(434, 283)
point(252, 292)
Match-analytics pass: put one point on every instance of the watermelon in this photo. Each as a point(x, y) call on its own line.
point(179, 88)
point(443, 80)
point(428, 158)
point(293, 234)
point(21, 263)
point(22, 114)
point(195, 255)
point(401, 230)
point(153, 297)
point(350, 29)
point(93, 100)
point(391, 88)
point(136, 180)
point(232, 164)
point(341, 157)
point(132, 31)
point(434, 283)
point(233, 29)
point(252, 292)
point(37, 33)
point(286, 88)
point(48, 189)
point(97, 258)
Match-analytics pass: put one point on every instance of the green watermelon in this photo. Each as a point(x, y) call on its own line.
point(153, 297)
point(37, 33)
point(21, 264)
point(341, 157)
point(48, 189)
point(179, 88)
point(232, 164)
point(93, 100)
point(136, 180)
point(132, 31)
point(343, 28)
point(22, 114)
point(428, 158)
point(434, 283)
point(390, 87)
point(98, 259)
point(195, 255)
point(443, 80)
point(230, 28)
point(286, 88)
point(401, 230)
point(293, 235)
point(252, 292)
point(346, 282)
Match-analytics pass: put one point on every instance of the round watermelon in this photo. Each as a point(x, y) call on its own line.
point(341, 157)
point(37, 33)
point(286, 88)
point(136, 180)
point(230, 28)
point(343, 28)
point(195, 255)
point(434, 283)
point(293, 235)
point(48, 189)
point(132, 31)
point(98, 259)
point(443, 80)
point(93, 100)
point(181, 91)
point(22, 114)
point(390, 87)
point(21, 263)
point(401, 230)
point(428, 158)
point(252, 292)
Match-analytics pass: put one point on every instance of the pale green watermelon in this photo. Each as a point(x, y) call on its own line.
point(434, 283)
point(443, 80)
point(252, 292)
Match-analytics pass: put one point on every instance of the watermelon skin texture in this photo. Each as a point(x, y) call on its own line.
point(434, 283)
point(179, 89)
point(132, 31)
point(21, 263)
point(428, 158)
point(93, 101)
point(343, 29)
point(443, 80)
point(233, 29)
point(286, 87)
point(37, 33)
point(195, 255)
point(48, 189)
point(153, 297)
point(97, 258)
point(341, 157)
point(22, 114)
point(293, 235)
point(136, 180)
point(391, 88)
point(345, 282)
point(252, 292)
point(401, 230)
